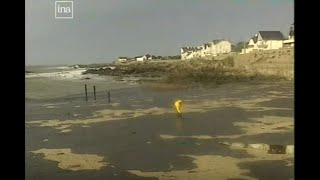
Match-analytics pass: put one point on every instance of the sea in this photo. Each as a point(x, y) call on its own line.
point(47, 82)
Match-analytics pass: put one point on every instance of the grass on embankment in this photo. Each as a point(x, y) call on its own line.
point(191, 72)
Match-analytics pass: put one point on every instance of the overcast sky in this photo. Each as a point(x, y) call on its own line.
point(102, 30)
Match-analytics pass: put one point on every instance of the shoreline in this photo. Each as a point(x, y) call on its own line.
point(258, 65)
point(194, 72)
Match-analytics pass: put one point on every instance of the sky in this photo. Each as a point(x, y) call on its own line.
point(103, 30)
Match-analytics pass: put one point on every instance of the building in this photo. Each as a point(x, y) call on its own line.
point(144, 57)
point(216, 47)
point(141, 58)
point(122, 59)
point(190, 52)
point(290, 41)
point(265, 40)
point(209, 49)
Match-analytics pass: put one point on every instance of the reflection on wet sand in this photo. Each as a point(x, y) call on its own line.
point(179, 124)
point(144, 129)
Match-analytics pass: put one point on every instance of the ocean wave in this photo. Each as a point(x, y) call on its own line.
point(72, 74)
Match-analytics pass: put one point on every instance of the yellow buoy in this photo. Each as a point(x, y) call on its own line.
point(178, 106)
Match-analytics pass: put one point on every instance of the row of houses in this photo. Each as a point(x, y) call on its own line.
point(209, 49)
point(137, 58)
point(148, 57)
point(268, 40)
point(263, 40)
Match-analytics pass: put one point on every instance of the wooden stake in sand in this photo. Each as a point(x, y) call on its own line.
point(94, 92)
point(85, 89)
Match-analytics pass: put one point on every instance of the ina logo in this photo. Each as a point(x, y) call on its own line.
point(64, 9)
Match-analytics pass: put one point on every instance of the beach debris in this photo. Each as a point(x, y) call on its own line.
point(133, 132)
point(77, 106)
point(178, 106)
point(149, 142)
point(45, 140)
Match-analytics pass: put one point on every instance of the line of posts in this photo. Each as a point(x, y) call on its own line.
point(94, 93)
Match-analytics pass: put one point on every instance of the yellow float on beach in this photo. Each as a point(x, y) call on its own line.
point(178, 106)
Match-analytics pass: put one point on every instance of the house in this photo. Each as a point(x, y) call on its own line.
point(208, 49)
point(265, 40)
point(122, 59)
point(252, 45)
point(190, 52)
point(217, 47)
point(290, 41)
point(141, 58)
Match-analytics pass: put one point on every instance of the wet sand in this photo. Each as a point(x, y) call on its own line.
point(139, 136)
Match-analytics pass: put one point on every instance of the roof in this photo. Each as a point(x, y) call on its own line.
point(185, 49)
point(217, 41)
point(207, 45)
point(271, 35)
point(255, 38)
point(122, 57)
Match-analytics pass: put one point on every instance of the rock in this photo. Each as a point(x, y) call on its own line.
point(225, 143)
point(240, 145)
point(290, 149)
point(259, 146)
point(277, 149)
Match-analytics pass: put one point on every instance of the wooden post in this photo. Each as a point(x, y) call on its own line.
point(94, 92)
point(85, 89)
point(108, 96)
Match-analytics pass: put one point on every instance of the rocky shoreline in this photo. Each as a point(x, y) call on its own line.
point(182, 72)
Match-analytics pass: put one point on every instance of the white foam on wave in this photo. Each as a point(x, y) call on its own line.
point(72, 74)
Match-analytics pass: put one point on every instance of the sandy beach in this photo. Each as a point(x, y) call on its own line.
point(138, 135)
